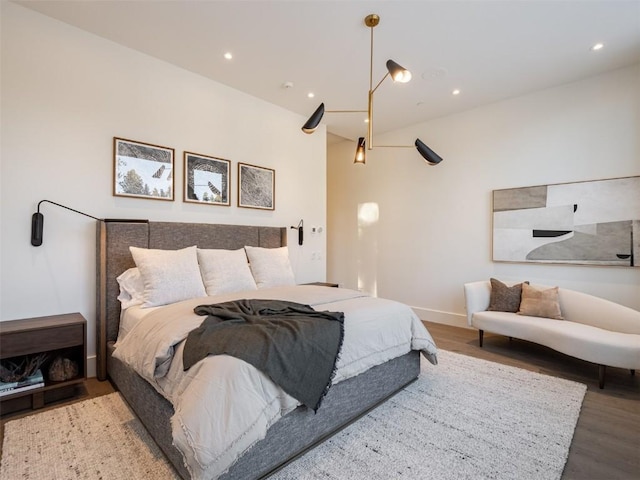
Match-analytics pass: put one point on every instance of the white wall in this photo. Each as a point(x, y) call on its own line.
point(434, 228)
point(65, 95)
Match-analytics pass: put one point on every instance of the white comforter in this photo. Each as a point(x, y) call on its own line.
point(224, 405)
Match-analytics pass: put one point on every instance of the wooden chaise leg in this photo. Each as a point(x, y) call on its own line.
point(480, 337)
point(601, 372)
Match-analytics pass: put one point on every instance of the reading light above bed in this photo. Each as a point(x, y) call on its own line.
point(300, 229)
point(398, 74)
point(37, 222)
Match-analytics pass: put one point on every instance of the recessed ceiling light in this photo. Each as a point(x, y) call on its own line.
point(228, 56)
point(455, 92)
point(311, 95)
point(366, 120)
point(597, 46)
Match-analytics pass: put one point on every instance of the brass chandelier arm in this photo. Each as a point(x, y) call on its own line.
point(370, 122)
point(372, 89)
point(395, 146)
point(345, 111)
point(371, 25)
point(380, 82)
point(371, 22)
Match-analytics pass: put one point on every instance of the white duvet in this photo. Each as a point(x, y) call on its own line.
point(224, 405)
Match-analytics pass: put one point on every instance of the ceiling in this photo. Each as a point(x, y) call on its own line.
point(490, 50)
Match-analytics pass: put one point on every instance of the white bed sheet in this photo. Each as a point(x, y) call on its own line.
point(129, 318)
point(224, 405)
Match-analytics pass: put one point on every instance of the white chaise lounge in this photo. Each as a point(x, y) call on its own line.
point(593, 329)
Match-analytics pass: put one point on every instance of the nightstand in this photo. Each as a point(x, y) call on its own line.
point(64, 335)
point(323, 284)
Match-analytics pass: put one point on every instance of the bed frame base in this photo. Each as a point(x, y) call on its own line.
point(290, 437)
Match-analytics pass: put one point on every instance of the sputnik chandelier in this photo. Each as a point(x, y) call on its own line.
point(398, 74)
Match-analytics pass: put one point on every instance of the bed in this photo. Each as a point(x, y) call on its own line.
point(299, 429)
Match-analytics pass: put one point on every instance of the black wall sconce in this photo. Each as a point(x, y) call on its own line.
point(300, 229)
point(37, 221)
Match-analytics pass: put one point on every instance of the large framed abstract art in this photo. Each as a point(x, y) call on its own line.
point(587, 223)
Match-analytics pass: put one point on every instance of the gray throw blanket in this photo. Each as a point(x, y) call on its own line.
point(296, 346)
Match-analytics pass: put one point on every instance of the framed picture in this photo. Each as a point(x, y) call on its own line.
point(206, 179)
point(256, 187)
point(587, 223)
point(142, 170)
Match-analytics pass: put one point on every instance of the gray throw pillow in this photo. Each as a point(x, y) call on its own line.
point(504, 298)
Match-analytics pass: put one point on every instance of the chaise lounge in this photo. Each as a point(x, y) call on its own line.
point(591, 328)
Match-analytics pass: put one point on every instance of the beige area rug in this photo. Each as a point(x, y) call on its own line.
point(464, 419)
point(97, 439)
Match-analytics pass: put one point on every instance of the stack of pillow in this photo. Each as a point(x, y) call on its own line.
point(162, 277)
point(524, 299)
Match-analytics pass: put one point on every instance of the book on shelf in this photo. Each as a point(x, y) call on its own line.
point(34, 381)
point(13, 390)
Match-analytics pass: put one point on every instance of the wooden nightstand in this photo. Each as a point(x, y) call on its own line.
point(323, 284)
point(64, 335)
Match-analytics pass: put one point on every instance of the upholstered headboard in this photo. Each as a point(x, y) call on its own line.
point(113, 258)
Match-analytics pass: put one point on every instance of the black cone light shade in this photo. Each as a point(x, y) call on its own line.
point(361, 155)
point(314, 120)
point(398, 72)
point(431, 157)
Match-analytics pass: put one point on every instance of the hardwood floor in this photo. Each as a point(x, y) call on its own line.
point(606, 443)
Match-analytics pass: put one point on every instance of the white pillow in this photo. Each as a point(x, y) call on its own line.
point(131, 288)
point(225, 271)
point(169, 276)
point(270, 266)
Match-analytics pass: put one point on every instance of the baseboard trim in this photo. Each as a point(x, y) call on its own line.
point(91, 366)
point(437, 316)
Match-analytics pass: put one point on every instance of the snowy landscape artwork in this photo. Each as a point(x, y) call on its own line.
point(588, 223)
point(143, 170)
point(256, 187)
point(206, 179)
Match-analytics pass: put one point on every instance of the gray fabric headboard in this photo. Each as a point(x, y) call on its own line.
point(113, 257)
